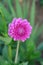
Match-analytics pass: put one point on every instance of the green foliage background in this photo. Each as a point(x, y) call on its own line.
point(29, 53)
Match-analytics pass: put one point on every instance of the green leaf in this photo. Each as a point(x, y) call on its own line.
point(5, 52)
point(11, 8)
point(3, 25)
point(41, 62)
point(5, 13)
point(32, 14)
point(39, 31)
point(22, 57)
point(31, 63)
point(30, 45)
point(24, 63)
point(41, 2)
point(4, 62)
point(40, 46)
point(18, 9)
point(25, 8)
point(1, 42)
point(35, 55)
point(34, 32)
point(7, 40)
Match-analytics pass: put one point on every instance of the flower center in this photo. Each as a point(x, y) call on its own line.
point(21, 31)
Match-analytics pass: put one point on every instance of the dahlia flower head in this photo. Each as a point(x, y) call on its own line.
point(19, 29)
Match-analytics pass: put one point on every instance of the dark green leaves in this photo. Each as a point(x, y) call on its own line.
point(4, 62)
point(40, 46)
point(41, 2)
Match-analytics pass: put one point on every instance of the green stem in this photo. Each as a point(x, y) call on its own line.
point(16, 57)
point(9, 52)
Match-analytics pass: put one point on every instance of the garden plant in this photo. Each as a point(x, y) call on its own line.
point(19, 33)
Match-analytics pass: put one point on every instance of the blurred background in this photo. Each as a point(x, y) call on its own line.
point(31, 51)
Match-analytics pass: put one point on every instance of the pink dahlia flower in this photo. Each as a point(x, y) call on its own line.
point(19, 29)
